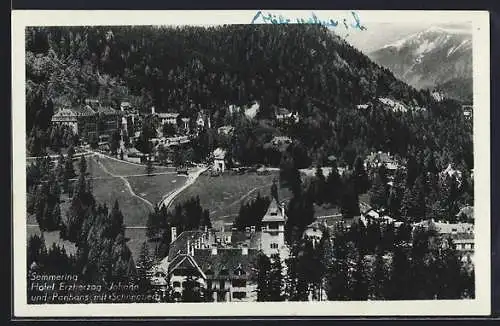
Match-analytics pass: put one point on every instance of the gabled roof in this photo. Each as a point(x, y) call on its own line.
point(85, 110)
point(251, 240)
point(219, 153)
point(179, 246)
point(106, 110)
point(186, 262)
point(65, 112)
point(166, 115)
point(282, 111)
point(226, 262)
point(468, 211)
point(274, 213)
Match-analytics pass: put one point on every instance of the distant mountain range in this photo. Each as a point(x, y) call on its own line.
point(437, 58)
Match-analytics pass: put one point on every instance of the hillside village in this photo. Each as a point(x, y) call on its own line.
point(240, 197)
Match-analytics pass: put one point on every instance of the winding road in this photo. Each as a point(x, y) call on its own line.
point(168, 198)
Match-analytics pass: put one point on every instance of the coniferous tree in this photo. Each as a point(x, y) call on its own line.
point(359, 281)
point(82, 165)
point(379, 282)
point(263, 273)
point(399, 284)
point(334, 185)
point(116, 218)
point(349, 202)
point(149, 166)
point(69, 170)
point(319, 186)
point(360, 177)
point(276, 279)
point(338, 272)
point(378, 193)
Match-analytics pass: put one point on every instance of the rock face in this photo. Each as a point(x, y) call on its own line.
point(436, 58)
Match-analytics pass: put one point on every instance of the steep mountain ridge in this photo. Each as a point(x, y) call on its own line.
point(434, 58)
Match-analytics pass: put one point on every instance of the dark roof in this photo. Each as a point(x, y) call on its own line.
point(462, 236)
point(184, 262)
point(282, 111)
point(106, 110)
point(252, 239)
point(179, 246)
point(227, 260)
point(84, 110)
point(274, 213)
point(467, 211)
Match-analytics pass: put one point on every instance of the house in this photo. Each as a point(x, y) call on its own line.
point(225, 130)
point(461, 235)
point(372, 215)
point(450, 172)
point(273, 230)
point(203, 121)
point(438, 96)
point(125, 106)
point(467, 109)
point(168, 117)
point(281, 141)
point(185, 124)
point(89, 120)
point(466, 213)
point(222, 261)
point(377, 159)
point(314, 232)
point(219, 164)
point(444, 228)
point(109, 119)
point(394, 105)
point(252, 110)
point(283, 114)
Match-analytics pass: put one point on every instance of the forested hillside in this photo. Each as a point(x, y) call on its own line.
point(304, 68)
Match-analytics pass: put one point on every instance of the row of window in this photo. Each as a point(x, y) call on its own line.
point(234, 283)
point(274, 246)
point(465, 246)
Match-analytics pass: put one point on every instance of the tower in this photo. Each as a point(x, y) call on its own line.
point(273, 229)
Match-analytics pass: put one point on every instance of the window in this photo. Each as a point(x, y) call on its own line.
point(222, 284)
point(239, 271)
point(239, 295)
point(177, 284)
point(239, 283)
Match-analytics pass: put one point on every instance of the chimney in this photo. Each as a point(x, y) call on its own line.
point(188, 247)
point(152, 110)
point(173, 233)
point(206, 228)
point(214, 250)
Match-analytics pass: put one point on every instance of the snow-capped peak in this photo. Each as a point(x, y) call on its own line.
point(428, 38)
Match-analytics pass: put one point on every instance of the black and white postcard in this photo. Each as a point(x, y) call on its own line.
point(251, 163)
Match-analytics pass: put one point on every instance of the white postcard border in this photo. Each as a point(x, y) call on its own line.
point(481, 80)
